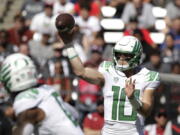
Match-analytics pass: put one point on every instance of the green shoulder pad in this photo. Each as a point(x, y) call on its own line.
point(153, 76)
point(106, 65)
point(28, 94)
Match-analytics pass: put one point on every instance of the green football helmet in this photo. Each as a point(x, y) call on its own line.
point(128, 45)
point(18, 73)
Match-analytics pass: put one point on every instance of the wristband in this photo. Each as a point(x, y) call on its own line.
point(71, 53)
point(136, 103)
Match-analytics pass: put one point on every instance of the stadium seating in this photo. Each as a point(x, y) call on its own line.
point(8, 9)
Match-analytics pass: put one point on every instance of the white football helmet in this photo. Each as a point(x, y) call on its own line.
point(18, 73)
point(128, 45)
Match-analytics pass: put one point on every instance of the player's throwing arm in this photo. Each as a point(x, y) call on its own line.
point(65, 26)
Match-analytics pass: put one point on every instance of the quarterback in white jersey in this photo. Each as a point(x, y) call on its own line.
point(127, 90)
point(38, 109)
point(119, 112)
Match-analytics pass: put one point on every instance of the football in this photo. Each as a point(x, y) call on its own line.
point(64, 22)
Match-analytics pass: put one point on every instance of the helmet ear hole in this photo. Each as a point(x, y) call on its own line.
point(18, 80)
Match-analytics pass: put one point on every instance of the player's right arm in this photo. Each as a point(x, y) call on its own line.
point(26, 121)
point(89, 74)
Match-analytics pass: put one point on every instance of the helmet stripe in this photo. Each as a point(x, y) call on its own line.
point(135, 47)
point(138, 46)
point(18, 72)
point(4, 68)
point(27, 63)
point(4, 75)
point(7, 79)
point(8, 85)
point(25, 60)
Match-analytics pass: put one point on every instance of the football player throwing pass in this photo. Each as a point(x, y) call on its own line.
point(128, 90)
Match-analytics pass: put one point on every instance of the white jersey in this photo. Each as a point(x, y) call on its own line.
point(58, 121)
point(117, 108)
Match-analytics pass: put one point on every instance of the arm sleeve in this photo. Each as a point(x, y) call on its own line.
point(103, 67)
point(100, 68)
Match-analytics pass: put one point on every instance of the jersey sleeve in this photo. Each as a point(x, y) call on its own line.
point(26, 100)
point(104, 67)
point(152, 78)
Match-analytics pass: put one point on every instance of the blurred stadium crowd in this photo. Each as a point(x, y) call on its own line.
point(156, 23)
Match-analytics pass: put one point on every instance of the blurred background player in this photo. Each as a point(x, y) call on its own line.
point(37, 107)
point(173, 125)
point(159, 126)
point(140, 9)
point(127, 99)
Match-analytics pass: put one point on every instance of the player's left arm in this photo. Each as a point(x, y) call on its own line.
point(26, 121)
point(144, 105)
point(147, 102)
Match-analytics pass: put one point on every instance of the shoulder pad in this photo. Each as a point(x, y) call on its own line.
point(26, 100)
point(106, 65)
point(152, 76)
point(28, 94)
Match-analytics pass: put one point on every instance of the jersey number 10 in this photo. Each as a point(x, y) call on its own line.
point(118, 107)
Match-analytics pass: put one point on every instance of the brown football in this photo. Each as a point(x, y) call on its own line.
point(64, 22)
